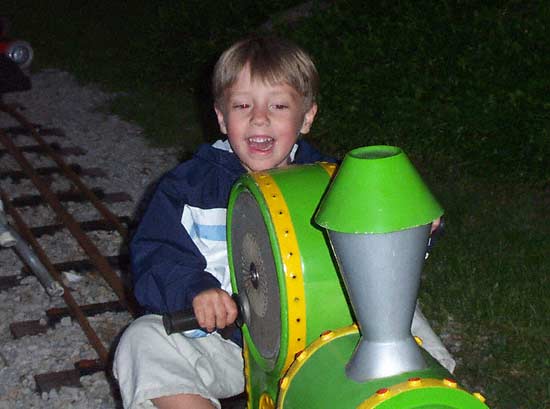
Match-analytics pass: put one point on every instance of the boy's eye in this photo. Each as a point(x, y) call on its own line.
point(241, 106)
point(279, 106)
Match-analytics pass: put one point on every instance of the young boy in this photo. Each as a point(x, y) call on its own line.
point(265, 97)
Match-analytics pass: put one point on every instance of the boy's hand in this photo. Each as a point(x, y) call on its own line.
point(214, 308)
point(438, 227)
point(435, 224)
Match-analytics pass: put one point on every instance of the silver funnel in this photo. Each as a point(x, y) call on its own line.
point(382, 275)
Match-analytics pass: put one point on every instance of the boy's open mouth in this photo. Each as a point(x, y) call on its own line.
point(260, 143)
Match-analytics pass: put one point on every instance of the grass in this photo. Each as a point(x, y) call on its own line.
point(153, 108)
point(491, 274)
point(462, 86)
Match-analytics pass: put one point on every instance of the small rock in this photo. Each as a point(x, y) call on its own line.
point(3, 361)
point(72, 277)
point(66, 321)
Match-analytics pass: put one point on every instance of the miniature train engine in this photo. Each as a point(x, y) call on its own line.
point(332, 329)
point(325, 266)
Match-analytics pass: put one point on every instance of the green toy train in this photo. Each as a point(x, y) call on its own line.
point(326, 263)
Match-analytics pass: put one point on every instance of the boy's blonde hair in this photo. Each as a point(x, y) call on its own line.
point(272, 60)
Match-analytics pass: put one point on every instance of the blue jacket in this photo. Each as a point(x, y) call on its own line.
point(184, 224)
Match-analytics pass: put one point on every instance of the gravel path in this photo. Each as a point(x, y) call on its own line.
point(58, 101)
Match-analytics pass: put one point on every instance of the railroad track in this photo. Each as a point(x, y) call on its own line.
point(42, 182)
point(41, 178)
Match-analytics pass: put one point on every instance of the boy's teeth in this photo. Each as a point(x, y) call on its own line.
point(261, 143)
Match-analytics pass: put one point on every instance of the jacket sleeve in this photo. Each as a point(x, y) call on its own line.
point(168, 269)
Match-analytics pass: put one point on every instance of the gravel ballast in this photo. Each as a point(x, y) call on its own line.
point(117, 147)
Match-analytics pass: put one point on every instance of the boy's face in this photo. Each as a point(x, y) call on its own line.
point(263, 121)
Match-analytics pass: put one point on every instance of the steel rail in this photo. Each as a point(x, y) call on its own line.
point(70, 173)
point(75, 309)
point(68, 220)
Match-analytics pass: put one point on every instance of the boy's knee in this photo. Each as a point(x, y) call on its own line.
point(140, 334)
point(145, 327)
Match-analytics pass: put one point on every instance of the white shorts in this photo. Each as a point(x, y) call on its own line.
point(149, 364)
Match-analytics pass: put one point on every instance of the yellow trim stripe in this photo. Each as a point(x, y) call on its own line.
point(290, 255)
point(248, 385)
point(414, 383)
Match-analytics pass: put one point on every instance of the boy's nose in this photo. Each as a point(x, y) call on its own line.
point(259, 116)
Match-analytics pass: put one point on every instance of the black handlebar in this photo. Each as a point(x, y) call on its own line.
point(179, 321)
point(185, 320)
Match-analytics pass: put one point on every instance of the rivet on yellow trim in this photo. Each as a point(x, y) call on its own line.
point(292, 266)
point(283, 383)
point(302, 355)
point(451, 383)
point(266, 402)
point(479, 396)
point(326, 335)
point(414, 381)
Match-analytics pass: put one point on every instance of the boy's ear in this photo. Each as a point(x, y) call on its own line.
point(221, 120)
point(308, 118)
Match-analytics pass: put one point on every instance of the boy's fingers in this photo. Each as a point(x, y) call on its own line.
point(435, 224)
point(214, 309)
point(205, 318)
point(205, 313)
point(221, 316)
point(226, 311)
point(232, 311)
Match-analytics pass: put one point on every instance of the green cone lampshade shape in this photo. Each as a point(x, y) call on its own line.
point(377, 190)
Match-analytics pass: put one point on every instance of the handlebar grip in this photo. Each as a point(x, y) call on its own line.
point(180, 321)
point(185, 320)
